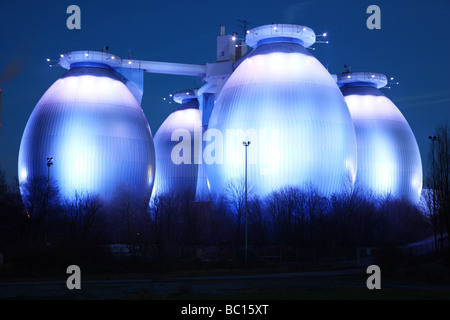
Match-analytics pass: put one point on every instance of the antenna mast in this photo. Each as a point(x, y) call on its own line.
point(244, 24)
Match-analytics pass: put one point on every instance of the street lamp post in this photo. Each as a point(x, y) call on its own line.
point(246, 144)
point(49, 164)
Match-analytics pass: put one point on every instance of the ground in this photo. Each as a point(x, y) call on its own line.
point(429, 280)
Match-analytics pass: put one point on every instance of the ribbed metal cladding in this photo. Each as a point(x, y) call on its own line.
point(388, 155)
point(177, 167)
point(96, 132)
point(286, 103)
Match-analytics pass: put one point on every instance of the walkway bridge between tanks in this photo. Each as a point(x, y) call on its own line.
point(69, 59)
point(131, 73)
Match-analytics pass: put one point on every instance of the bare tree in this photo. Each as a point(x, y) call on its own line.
point(259, 222)
point(344, 207)
point(429, 208)
point(130, 219)
point(235, 197)
point(297, 214)
point(440, 179)
point(34, 193)
point(314, 208)
point(83, 218)
point(222, 224)
point(41, 199)
point(166, 221)
point(282, 205)
point(12, 214)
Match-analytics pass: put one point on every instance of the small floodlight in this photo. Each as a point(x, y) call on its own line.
point(233, 38)
point(48, 60)
point(324, 34)
point(62, 56)
point(129, 62)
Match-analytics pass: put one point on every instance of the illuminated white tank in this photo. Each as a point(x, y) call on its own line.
point(95, 130)
point(282, 100)
point(388, 155)
point(176, 151)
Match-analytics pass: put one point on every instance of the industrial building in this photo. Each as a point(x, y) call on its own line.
point(304, 125)
point(284, 101)
point(388, 155)
point(93, 127)
point(177, 165)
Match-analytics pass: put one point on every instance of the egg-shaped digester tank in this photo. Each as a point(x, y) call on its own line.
point(95, 131)
point(178, 148)
point(388, 155)
point(284, 101)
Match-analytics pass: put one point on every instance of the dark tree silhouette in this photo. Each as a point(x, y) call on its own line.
point(41, 199)
point(235, 197)
point(440, 182)
point(83, 218)
point(129, 221)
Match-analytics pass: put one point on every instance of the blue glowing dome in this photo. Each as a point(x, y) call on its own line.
point(388, 155)
point(177, 153)
point(96, 132)
point(282, 100)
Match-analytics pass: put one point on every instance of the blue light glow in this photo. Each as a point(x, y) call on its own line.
point(95, 130)
point(178, 154)
point(287, 104)
point(388, 156)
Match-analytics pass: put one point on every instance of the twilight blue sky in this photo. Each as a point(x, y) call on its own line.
point(413, 46)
